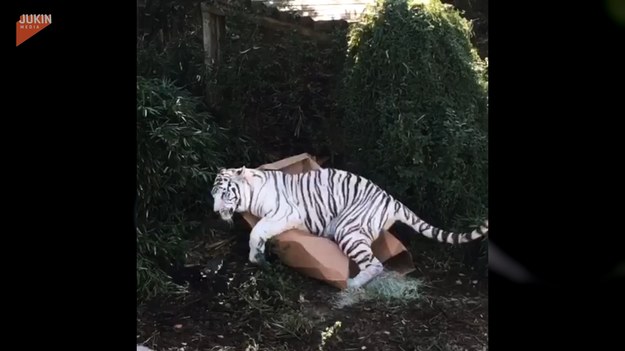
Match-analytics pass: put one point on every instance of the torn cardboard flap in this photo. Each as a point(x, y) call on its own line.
point(301, 163)
point(319, 257)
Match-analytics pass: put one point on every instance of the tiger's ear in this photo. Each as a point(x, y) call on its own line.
point(245, 174)
point(222, 170)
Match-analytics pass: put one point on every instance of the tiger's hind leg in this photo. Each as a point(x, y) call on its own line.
point(357, 246)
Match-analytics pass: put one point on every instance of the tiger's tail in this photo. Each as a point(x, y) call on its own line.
point(405, 215)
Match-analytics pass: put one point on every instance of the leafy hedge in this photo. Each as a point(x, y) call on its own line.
point(279, 88)
point(180, 144)
point(177, 53)
point(415, 101)
point(180, 148)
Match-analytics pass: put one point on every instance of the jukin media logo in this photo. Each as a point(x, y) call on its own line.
point(29, 25)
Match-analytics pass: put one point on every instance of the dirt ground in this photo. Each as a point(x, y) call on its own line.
point(232, 305)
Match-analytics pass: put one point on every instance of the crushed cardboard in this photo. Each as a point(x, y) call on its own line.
point(319, 257)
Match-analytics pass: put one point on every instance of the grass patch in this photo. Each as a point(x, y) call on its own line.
point(293, 323)
point(388, 287)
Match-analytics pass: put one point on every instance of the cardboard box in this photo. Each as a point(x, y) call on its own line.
point(321, 258)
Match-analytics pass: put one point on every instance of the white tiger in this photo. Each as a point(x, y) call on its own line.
point(345, 207)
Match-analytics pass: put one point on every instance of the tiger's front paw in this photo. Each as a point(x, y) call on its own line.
point(257, 257)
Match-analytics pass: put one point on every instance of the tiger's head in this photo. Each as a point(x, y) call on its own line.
point(227, 192)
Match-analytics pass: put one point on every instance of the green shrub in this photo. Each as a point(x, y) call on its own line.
point(179, 149)
point(180, 58)
point(180, 61)
point(416, 110)
point(279, 88)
